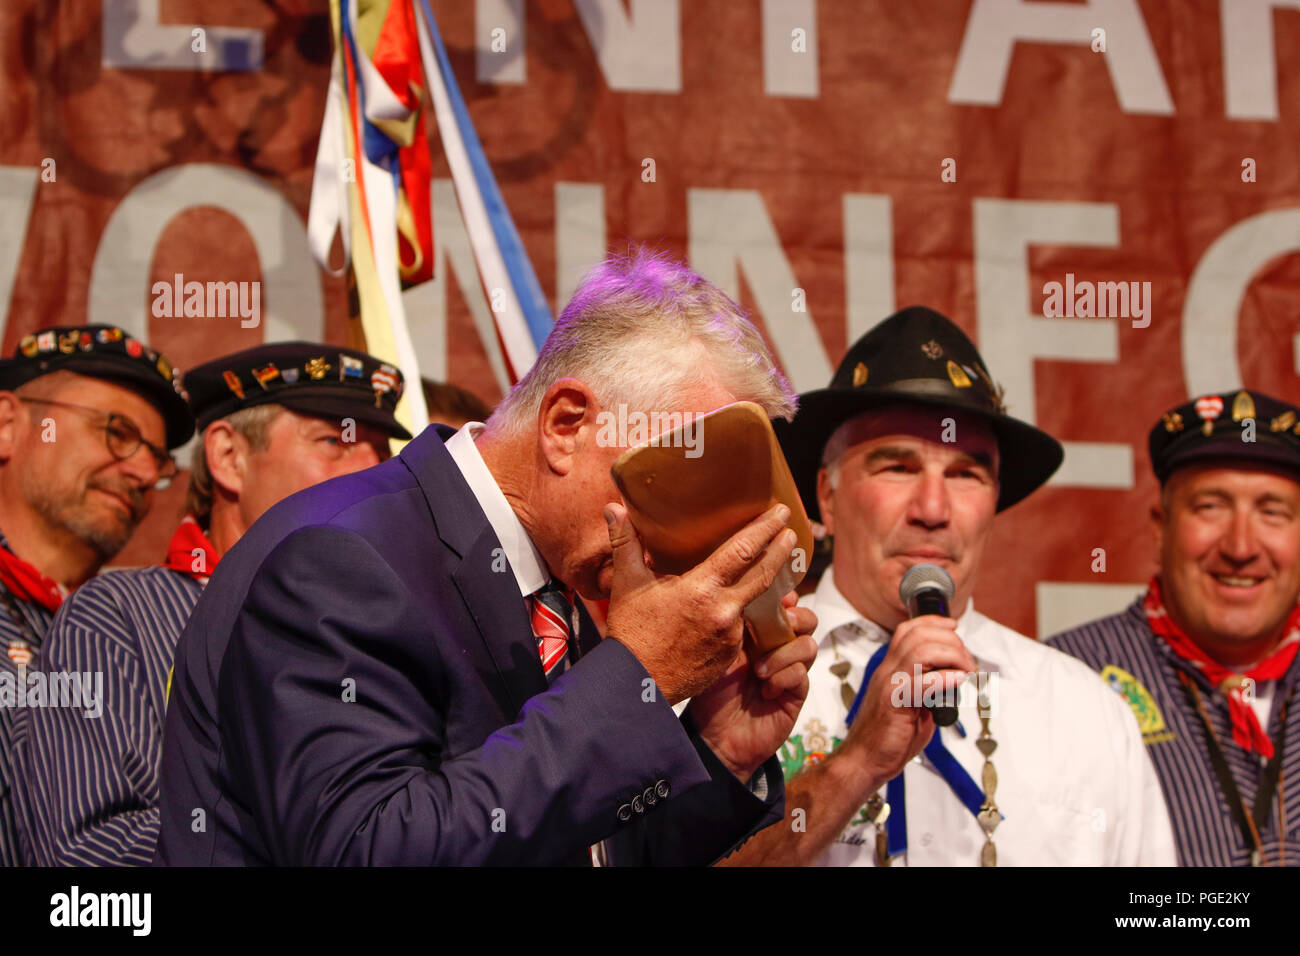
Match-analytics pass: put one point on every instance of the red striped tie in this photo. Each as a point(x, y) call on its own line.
point(551, 612)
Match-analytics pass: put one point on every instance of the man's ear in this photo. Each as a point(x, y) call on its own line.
point(824, 498)
point(1158, 518)
point(10, 423)
point(566, 423)
point(227, 455)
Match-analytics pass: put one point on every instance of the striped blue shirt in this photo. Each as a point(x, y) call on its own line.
point(1143, 668)
point(37, 621)
point(88, 791)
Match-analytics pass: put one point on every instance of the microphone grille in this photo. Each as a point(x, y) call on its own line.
point(922, 576)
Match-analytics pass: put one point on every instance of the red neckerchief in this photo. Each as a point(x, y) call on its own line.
point(189, 537)
point(28, 584)
point(1246, 729)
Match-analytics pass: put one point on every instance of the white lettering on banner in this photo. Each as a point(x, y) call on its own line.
point(579, 235)
point(787, 71)
point(642, 50)
point(1218, 287)
point(730, 230)
point(17, 193)
point(426, 303)
point(1250, 57)
point(996, 26)
point(133, 38)
point(291, 281)
point(1063, 605)
point(492, 66)
point(1011, 338)
point(638, 47)
point(868, 262)
point(1096, 464)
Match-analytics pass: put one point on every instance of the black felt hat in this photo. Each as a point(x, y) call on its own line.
point(107, 352)
point(1243, 426)
point(308, 377)
point(916, 356)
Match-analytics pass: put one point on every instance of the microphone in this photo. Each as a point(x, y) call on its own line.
point(927, 589)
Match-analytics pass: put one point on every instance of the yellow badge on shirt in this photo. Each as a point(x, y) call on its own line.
point(1139, 699)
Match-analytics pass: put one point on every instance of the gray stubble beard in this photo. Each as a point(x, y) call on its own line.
point(64, 514)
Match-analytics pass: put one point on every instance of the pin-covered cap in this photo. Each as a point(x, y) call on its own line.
point(1214, 427)
point(107, 352)
point(307, 377)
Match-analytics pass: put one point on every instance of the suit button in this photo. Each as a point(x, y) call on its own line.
point(661, 788)
point(650, 797)
point(637, 805)
point(625, 812)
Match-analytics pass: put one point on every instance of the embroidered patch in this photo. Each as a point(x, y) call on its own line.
point(803, 750)
point(814, 745)
point(1139, 699)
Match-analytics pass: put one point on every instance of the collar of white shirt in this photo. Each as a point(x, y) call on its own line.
point(834, 612)
point(525, 560)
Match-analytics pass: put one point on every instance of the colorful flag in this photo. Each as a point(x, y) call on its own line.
point(373, 183)
point(359, 186)
point(524, 319)
point(266, 374)
point(350, 367)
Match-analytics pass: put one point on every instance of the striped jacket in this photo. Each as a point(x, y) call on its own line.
point(37, 620)
point(1141, 667)
point(88, 791)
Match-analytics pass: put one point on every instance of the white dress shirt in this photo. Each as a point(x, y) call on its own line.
point(525, 561)
point(1075, 786)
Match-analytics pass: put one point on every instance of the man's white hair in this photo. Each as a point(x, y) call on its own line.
point(640, 330)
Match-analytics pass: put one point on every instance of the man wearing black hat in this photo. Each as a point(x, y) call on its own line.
point(87, 415)
point(906, 458)
point(274, 420)
point(1207, 657)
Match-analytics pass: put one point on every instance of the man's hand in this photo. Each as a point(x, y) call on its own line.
point(883, 738)
point(884, 735)
point(750, 712)
point(686, 630)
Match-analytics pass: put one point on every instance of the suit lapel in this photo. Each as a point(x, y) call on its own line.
point(500, 615)
point(486, 584)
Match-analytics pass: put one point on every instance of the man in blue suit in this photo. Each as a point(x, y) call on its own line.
point(387, 669)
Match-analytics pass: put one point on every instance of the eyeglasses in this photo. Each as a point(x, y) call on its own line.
point(123, 439)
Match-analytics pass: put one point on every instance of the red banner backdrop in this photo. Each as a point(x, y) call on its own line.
point(824, 161)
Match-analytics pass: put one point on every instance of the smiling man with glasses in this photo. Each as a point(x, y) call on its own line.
point(87, 414)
